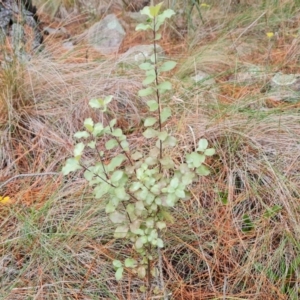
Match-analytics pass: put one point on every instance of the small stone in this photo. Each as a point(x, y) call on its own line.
point(285, 87)
point(68, 45)
point(140, 53)
point(204, 78)
point(249, 75)
point(107, 35)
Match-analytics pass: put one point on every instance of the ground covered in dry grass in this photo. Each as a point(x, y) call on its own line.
point(238, 238)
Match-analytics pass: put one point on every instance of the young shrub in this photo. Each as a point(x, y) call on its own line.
point(135, 183)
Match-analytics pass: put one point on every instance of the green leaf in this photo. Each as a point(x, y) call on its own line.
point(165, 114)
point(150, 161)
point(164, 86)
point(150, 222)
point(142, 194)
point(153, 235)
point(137, 155)
point(150, 73)
point(96, 103)
point(155, 189)
point(117, 132)
point(140, 242)
point(174, 183)
point(150, 198)
point(71, 165)
point(167, 162)
point(142, 27)
point(89, 124)
point(145, 92)
point(107, 130)
point(202, 145)
point(146, 11)
point(111, 144)
point(141, 272)
point(98, 129)
point(125, 145)
point(171, 200)
point(152, 104)
point(110, 207)
point(153, 208)
point(112, 122)
point(150, 133)
point(130, 263)
point(187, 178)
point(160, 243)
point(154, 10)
point(88, 175)
point(78, 150)
point(223, 197)
point(135, 227)
point(81, 134)
point(271, 212)
point(180, 193)
point(161, 225)
point(209, 152)
point(167, 66)
point(121, 232)
point(121, 193)
point(149, 79)
point(157, 36)
point(153, 58)
point(101, 189)
point(146, 66)
point(116, 162)
point(92, 144)
point(130, 208)
point(139, 205)
point(107, 99)
point(162, 135)
point(168, 13)
point(170, 141)
point(247, 223)
point(117, 264)
point(159, 22)
point(158, 201)
point(195, 159)
point(150, 121)
point(116, 176)
point(203, 171)
point(117, 217)
point(135, 186)
point(119, 274)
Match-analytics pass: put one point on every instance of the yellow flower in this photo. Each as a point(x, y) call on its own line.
point(270, 34)
point(5, 200)
point(204, 5)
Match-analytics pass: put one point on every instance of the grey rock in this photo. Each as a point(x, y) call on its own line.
point(204, 78)
point(249, 75)
point(285, 87)
point(140, 53)
point(107, 35)
point(5, 17)
point(14, 16)
point(203, 83)
point(68, 45)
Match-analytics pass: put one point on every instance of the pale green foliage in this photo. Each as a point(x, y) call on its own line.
point(138, 192)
